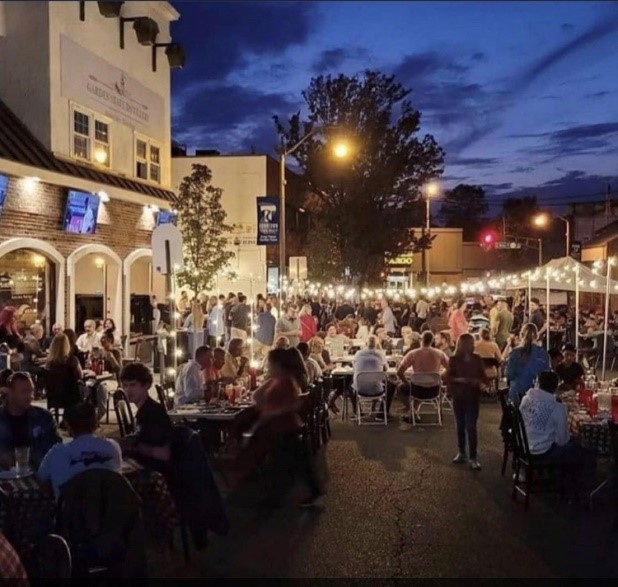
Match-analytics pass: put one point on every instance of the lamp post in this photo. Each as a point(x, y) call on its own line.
point(341, 150)
point(542, 220)
point(431, 190)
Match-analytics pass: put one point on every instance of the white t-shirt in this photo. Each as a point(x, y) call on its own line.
point(87, 342)
point(64, 461)
point(190, 384)
point(545, 419)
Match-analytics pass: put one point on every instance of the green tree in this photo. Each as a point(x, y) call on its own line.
point(324, 259)
point(203, 228)
point(465, 206)
point(371, 199)
point(517, 214)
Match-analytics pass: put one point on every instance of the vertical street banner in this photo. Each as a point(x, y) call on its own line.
point(268, 220)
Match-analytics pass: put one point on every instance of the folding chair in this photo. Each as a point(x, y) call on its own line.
point(429, 381)
point(370, 387)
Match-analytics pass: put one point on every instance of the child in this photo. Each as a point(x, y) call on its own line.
point(151, 443)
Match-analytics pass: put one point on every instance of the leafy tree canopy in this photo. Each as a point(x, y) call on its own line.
point(465, 206)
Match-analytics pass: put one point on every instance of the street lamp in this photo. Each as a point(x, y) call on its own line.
point(542, 220)
point(340, 151)
point(432, 189)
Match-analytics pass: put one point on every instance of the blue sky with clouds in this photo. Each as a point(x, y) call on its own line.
point(523, 96)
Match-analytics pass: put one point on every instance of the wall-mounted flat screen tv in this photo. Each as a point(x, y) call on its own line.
point(4, 187)
point(166, 217)
point(81, 212)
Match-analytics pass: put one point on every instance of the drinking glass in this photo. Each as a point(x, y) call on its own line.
point(22, 459)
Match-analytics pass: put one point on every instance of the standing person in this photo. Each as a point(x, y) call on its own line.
point(227, 308)
point(503, 324)
point(289, 325)
point(215, 322)
point(422, 312)
point(538, 318)
point(489, 351)
point(265, 333)
point(388, 318)
point(457, 322)
point(9, 334)
point(465, 376)
point(240, 318)
point(308, 325)
point(525, 362)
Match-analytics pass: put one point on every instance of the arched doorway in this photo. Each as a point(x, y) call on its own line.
point(140, 284)
point(32, 280)
point(95, 285)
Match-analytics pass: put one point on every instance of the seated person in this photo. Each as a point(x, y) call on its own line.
point(442, 341)
point(488, 350)
point(191, 377)
point(478, 321)
point(236, 365)
point(547, 427)
point(83, 453)
point(569, 371)
point(313, 369)
point(112, 362)
point(24, 425)
point(371, 359)
point(424, 360)
point(35, 346)
point(555, 358)
point(151, 443)
point(319, 354)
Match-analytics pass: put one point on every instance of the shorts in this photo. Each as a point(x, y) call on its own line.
point(419, 392)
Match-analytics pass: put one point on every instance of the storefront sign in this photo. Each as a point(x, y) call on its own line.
point(268, 220)
point(94, 83)
point(402, 260)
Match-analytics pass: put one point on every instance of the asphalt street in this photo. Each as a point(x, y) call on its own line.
point(397, 507)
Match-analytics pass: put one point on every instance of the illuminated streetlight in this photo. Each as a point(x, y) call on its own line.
point(542, 220)
point(341, 150)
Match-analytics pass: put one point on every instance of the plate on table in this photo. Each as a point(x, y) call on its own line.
point(13, 474)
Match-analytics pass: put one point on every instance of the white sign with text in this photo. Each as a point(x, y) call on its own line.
point(94, 83)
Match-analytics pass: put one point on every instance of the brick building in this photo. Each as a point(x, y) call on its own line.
point(79, 136)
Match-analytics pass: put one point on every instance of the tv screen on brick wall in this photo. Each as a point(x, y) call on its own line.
point(81, 212)
point(4, 186)
point(166, 217)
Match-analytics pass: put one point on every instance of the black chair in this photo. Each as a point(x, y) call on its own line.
point(506, 428)
point(524, 460)
point(54, 561)
point(124, 414)
point(61, 391)
point(163, 394)
point(99, 515)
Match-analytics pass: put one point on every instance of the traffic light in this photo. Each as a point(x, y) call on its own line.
point(489, 238)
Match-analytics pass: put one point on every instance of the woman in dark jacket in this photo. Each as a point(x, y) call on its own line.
point(465, 376)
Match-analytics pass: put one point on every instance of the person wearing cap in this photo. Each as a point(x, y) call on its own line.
point(569, 370)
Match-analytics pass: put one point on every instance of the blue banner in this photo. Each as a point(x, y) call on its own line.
point(268, 220)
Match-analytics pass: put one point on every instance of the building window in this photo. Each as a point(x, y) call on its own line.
point(90, 139)
point(147, 160)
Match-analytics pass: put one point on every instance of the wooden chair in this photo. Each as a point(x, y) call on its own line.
point(124, 415)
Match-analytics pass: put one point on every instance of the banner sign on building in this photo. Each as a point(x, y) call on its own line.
point(95, 83)
point(268, 220)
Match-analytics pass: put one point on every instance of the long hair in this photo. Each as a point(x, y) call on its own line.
point(528, 336)
point(465, 346)
point(287, 363)
point(7, 319)
point(59, 350)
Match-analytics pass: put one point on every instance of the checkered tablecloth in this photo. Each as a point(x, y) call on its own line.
point(28, 508)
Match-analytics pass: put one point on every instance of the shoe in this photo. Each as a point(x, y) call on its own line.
point(460, 458)
point(475, 465)
point(312, 502)
point(380, 418)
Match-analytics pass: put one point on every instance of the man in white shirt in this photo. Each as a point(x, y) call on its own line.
point(90, 340)
point(422, 309)
point(388, 318)
point(547, 428)
point(84, 452)
point(191, 380)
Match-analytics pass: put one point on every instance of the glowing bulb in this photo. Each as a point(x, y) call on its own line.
point(254, 364)
point(179, 352)
point(100, 156)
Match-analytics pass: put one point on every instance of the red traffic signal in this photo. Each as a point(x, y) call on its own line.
point(489, 238)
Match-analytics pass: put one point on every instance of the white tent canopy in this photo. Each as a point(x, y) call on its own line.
point(562, 273)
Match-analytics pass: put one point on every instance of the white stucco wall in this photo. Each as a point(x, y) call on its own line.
point(242, 179)
point(30, 72)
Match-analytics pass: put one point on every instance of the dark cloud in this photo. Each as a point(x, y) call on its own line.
point(334, 58)
point(219, 36)
point(454, 178)
point(601, 94)
point(522, 169)
point(479, 56)
point(571, 187)
point(472, 161)
point(232, 116)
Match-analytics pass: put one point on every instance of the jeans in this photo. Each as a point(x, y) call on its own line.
point(466, 414)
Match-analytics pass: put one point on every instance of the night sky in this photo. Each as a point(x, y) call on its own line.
point(523, 96)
